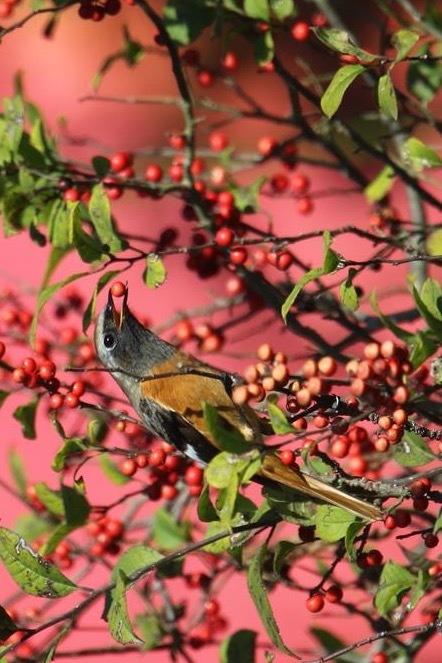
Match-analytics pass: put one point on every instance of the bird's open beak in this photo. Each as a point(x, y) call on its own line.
point(118, 316)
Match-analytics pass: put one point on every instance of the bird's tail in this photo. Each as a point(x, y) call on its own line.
point(275, 470)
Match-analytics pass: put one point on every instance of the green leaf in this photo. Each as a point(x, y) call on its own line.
point(247, 197)
point(429, 304)
point(412, 451)
point(228, 437)
point(263, 47)
point(350, 536)
point(3, 396)
point(31, 526)
point(222, 545)
point(258, 9)
point(17, 470)
point(259, 596)
point(293, 507)
point(419, 156)
point(7, 625)
point(403, 41)
point(112, 472)
point(332, 522)
point(100, 213)
point(282, 550)
point(90, 309)
point(240, 646)
point(341, 81)
point(424, 77)
point(348, 293)
point(311, 275)
point(32, 574)
point(220, 472)
point(45, 295)
point(97, 430)
point(381, 185)
point(88, 246)
point(331, 644)
point(278, 420)
point(394, 582)
point(72, 446)
point(59, 226)
point(387, 97)
point(282, 9)
point(76, 506)
point(51, 499)
point(135, 560)
point(206, 511)
point(405, 336)
point(101, 166)
point(340, 41)
point(155, 273)
point(434, 243)
point(423, 345)
point(117, 616)
point(185, 21)
point(331, 259)
point(150, 629)
point(167, 533)
point(25, 415)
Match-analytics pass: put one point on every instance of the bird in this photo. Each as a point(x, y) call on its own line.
point(168, 389)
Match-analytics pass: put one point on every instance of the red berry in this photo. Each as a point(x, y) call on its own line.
point(19, 375)
point(112, 7)
point(229, 62)
point(56, 401)
point(30, 366)
point(402, 518)
point(78, 388)
point(157, 457)
point(177, 141)
point(287, 456)
point(238, 255)
point(194, 476)
point(128, 467)
point(205, 78)
point(184, 330)
point(211, 608)
point(142, 460)
point(114, 528)
point(175, 172)
point(169, 492)
point(218, 141)
point(6, 9)
point(153, 173)
point(305, 205)
point(47, 370)
point(430, 540)
point(71, 400)
point(379, 657)
point(279, 182)
point(300, 184)
point(284, 259)
point(315, 603)
point(300, 31)
point(120, 161)
point(191, 57)
point(118, 289)
point(266, 145)
point(224, 236)
point(71, 196)
point(334, 594)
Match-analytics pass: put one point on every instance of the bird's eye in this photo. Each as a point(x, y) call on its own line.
point(109, 341)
